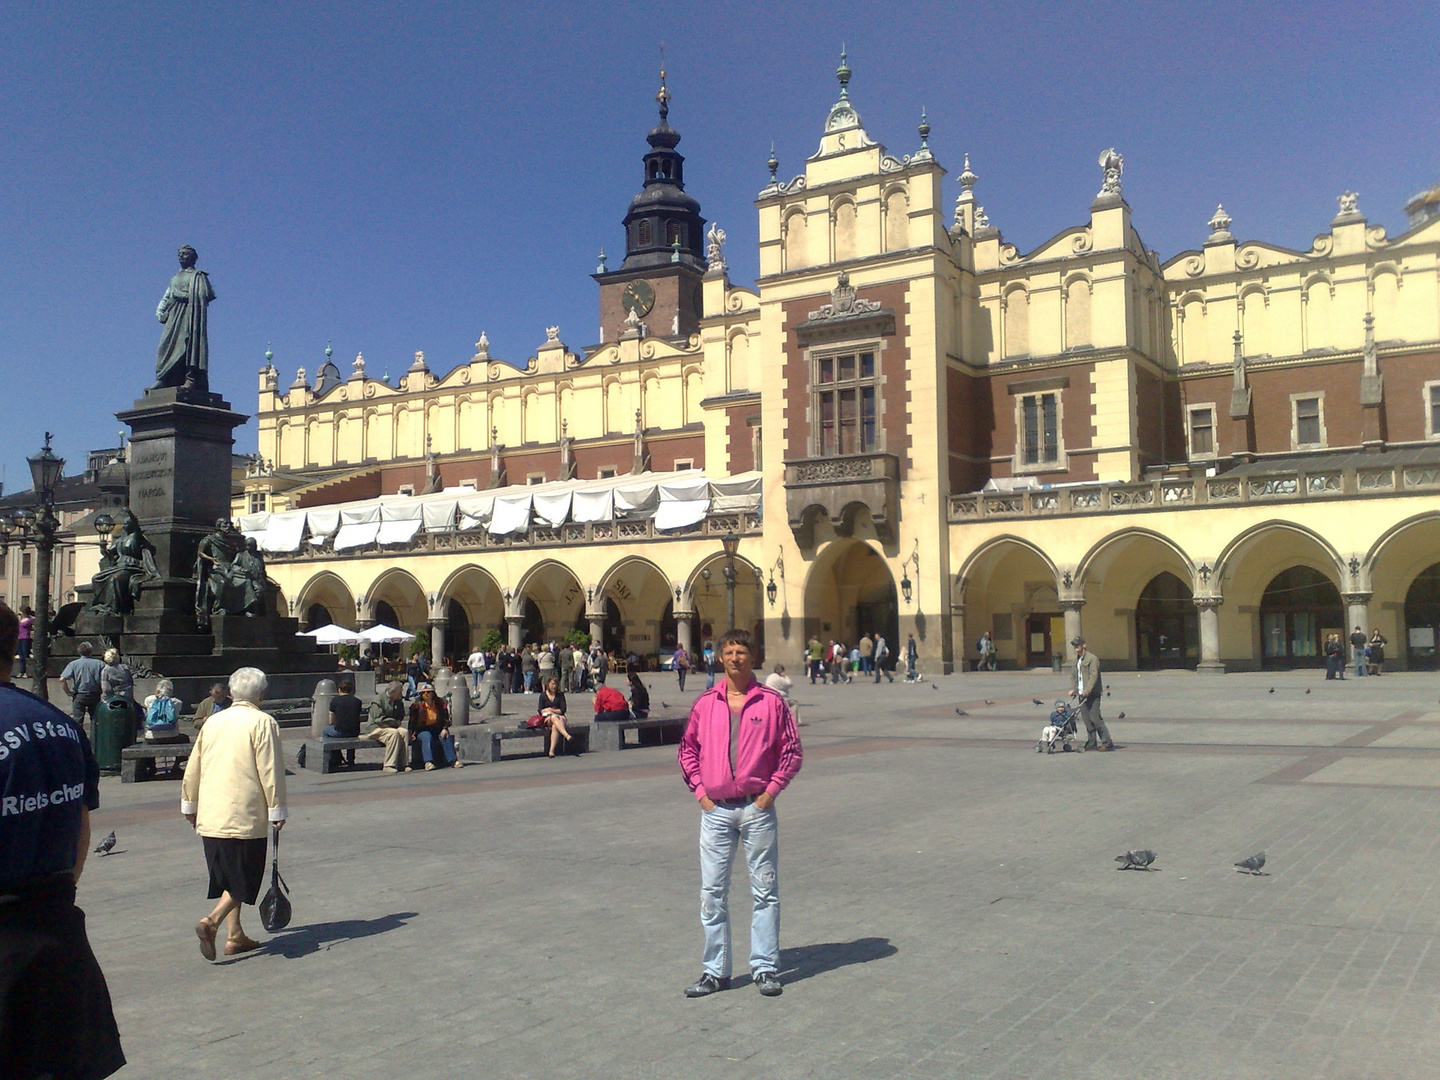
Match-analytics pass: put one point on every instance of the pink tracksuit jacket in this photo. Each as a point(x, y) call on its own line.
point(768, 756)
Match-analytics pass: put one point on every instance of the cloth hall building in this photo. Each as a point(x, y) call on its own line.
point(1210, 460)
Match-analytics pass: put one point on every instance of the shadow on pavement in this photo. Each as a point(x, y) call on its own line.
point(806, 961)
point(304, 940)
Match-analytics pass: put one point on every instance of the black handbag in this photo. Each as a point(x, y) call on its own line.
point(275, 905)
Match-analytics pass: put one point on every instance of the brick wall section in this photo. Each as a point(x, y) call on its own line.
point(894, 360)
point(972, 426)
point(1154, 423)
point(1075, 423)
point(738, 438)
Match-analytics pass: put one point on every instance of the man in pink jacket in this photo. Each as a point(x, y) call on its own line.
point(739, 751)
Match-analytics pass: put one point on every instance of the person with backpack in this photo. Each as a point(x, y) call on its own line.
point(162, 715)
point(986, 648)
point(912, 660)
point(710, 663)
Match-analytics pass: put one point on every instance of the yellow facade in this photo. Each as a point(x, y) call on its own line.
point(1214, 461)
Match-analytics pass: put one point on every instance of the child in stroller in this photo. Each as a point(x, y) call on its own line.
point(1059, 729)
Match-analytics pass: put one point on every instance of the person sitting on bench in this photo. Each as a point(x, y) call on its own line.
point(430, 727)
point(552, 712)
point(610, 704)
point(639, 697)
point(345, 710)
point(387, 714)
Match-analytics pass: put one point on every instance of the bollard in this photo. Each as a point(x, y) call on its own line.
point(441, 680)
point(320, 715)
point(459, 698)
point(489, 707)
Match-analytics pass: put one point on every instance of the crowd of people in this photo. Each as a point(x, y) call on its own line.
point(871, 656)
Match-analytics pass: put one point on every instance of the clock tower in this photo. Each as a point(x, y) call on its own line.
point(664, 247)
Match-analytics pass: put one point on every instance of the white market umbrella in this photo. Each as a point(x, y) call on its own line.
point(332, 635)
point(382, 634)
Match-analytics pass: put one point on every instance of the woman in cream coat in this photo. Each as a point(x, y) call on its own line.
point(234, 790)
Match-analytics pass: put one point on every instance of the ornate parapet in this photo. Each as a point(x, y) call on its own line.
point(836, 487)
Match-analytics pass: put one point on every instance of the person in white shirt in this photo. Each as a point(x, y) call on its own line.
point(476, 664)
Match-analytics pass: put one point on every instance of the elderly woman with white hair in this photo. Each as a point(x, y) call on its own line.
point(233, 792)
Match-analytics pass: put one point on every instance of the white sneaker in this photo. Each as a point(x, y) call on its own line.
point(429, 766)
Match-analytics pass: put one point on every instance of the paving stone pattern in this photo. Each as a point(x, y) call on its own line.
point(951, 903)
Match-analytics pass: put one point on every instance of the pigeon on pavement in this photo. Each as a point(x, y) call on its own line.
point(961, 712)
point(1272, 690)
point(1135, 860)
point(107, 845)
point(1122, 716)
point(1037, 701)
point(934, 687)
point(989, 702)
point(664, 704)
point(1253, 865)
point(300, 756)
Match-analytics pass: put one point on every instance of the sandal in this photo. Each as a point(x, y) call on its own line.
point(243, 945)
point(205, 931)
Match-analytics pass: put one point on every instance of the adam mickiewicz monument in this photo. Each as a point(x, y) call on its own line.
point(183, 358)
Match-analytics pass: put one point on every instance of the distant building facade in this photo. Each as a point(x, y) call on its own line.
point(1210, 461)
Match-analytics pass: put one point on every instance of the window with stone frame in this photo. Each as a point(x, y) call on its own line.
point(845, 402)
point(1038, 430)
point(1432, 410)
point(1201, 420)
point(25, 564)
point(672, 234)
point(258, 501)
point(1307, 420)
point(644, 234)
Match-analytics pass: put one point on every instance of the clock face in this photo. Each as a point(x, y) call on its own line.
point(638, 297)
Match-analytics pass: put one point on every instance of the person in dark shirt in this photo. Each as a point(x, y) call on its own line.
point(345, 712)
point(552, 712)
point(639, 697)
point(55, 1013)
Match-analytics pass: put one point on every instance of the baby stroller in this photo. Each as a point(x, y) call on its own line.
point(1059, 730)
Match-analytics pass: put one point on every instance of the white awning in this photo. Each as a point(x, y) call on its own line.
point(593, 504)
point(552, 507)
point(473, 513)
point(322, 523)
point(440, 516)
point(357, 534)
point(511, 514)
point(283, 533)
point(398, 532)
point(636, 499)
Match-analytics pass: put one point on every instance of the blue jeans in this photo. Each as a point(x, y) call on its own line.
point(721, 830)
point(1359, 661)
point(428, 739)
point(529, 681)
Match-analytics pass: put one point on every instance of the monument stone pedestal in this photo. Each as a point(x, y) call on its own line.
point(179, 461)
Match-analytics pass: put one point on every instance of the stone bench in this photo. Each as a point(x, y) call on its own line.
point(652, 731)
point(318, 751)
point(138, 763)
point(489, 742)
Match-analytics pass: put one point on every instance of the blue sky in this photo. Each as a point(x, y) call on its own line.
point(394, 177)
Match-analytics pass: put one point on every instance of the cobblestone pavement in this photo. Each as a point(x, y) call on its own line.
point(951, 903)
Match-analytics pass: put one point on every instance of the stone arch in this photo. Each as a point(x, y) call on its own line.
point(400, 589)
point(1395, 563)
point(1318, 295)
point(1011, 588)
point(1247, 566)
point(480, 598)
point(1385, 284)
point(795, 233)
point(897, 218)
point(1255, 320)
point(645, 598)
point(844, 228)
point(1110, 549)
point(1015, 305)
point(556, 592)
point(850, 590)
point(330, 591)
point(1190, 327)
point(1078, 294)
point(737, 374)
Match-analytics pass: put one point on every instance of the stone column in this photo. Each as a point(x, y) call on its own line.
point(1357, 613)
point(685, 629)
point(516, 623)
point(437, 643)
point(1071, 608)
point(965, 657)
point(597, 627)
point(1209, 608)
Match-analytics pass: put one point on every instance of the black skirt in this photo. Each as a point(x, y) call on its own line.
point(236, 867)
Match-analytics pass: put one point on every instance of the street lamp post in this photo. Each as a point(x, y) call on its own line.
point(731, 543)
point(45, 472)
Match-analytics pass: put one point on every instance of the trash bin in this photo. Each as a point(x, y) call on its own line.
point(1055, 661)
point(113, 722)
